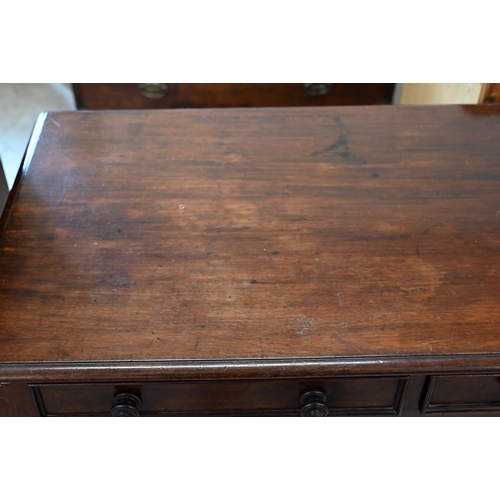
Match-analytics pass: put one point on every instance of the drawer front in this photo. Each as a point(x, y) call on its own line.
point(343, 396)
point(462, 393)
point(223, 95)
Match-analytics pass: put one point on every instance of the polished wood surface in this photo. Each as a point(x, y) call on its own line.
point(214, 245)
point(255, 234)
point(100, 96)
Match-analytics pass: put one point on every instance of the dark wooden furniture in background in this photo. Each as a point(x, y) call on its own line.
point(95, 96)
point(304, 261)
point(490, 93)
point(4, 188)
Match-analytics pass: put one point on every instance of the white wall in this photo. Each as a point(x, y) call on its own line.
point(437, 93)
point(20, 104)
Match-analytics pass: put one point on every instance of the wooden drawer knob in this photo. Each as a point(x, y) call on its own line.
point(313, 404)
point(126, 405)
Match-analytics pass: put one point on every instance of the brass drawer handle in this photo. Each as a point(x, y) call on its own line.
point(153, 90)
point(126, 405)
point(313, 404)
point(317, 88)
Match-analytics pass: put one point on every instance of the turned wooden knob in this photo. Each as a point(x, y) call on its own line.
point(313, 404)
point(125, 405)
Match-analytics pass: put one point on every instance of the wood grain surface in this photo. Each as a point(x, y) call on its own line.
point(255, 234)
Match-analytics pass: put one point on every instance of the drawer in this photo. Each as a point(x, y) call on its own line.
point(341, 396)
point(223, 95)
point(462, 393)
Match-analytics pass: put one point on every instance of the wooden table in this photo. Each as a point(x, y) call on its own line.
point(311, 261)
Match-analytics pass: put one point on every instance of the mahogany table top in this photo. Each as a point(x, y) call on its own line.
point(359, 232)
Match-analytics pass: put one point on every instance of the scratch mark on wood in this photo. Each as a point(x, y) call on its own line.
point(96, 196)
point(347, 342)
point(43, 341)
point(142, 206)
point(421, 236)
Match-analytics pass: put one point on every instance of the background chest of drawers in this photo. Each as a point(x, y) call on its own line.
point(95, 96)
point(296, 261)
